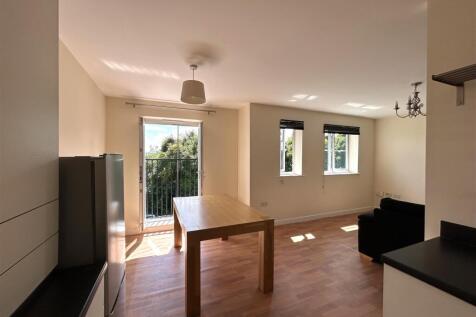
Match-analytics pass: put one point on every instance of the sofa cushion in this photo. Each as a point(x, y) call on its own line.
point(409, 209)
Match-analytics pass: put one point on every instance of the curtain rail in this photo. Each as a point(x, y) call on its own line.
point(135, 104)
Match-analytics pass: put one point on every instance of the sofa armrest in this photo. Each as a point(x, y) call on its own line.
point(380, 213)
point(367, 217)
point(369, 235)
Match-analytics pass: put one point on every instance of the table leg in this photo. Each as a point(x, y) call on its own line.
point(266, 258)
point(177, 231)
point(192, 276)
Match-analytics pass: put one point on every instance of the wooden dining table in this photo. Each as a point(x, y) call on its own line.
point(208, 217)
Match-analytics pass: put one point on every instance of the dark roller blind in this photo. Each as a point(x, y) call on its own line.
point(341, 129)
point(291, 124)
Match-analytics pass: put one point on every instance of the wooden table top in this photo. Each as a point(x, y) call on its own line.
point(214, 211)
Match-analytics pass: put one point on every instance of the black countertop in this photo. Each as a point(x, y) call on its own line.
point(444, 262)
point(66, 292)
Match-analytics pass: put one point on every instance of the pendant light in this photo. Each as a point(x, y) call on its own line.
point(193, 91)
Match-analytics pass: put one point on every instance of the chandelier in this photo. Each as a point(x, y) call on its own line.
point(414, 104)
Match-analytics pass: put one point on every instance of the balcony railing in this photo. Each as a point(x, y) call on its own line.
point(168, 178)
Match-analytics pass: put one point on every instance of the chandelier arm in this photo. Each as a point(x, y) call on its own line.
point(396, 112)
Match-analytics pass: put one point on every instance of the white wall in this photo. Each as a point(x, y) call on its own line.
point(312, 194)
point(451, 130)
point(219, 152)
point(28, 147)
point(82, 109)
point(244, 154)
point(400, 146)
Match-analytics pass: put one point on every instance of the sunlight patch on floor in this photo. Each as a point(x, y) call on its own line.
point(302, 237)
point(309, 236)
point(350, 228)
point(159, 222)
point(150, 244)
point(158, 249)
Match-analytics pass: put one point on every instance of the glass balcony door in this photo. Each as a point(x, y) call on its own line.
point(170, 165)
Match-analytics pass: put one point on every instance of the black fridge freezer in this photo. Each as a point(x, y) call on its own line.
point(91, 218)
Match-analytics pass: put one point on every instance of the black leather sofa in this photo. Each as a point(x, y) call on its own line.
point(396, 224)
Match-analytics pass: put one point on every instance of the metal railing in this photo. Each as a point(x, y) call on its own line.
point(168, 178)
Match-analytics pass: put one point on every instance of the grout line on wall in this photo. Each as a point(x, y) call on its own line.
point(28, 211)
point(33, 250)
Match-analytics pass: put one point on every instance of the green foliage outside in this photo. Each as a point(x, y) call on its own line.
point(185, 148)
point(171, 171)
point(339, 153)
point(288, 156)
point(340, 148)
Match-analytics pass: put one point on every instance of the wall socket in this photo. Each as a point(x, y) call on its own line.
point(263, 204)
point(388, 195)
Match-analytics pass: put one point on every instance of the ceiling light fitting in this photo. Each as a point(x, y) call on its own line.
point(370, 107)
point(299, 96)
point(193, 91)
point(414, 104)
point(354, 104)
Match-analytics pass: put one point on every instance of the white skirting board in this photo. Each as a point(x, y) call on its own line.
point(320, 215)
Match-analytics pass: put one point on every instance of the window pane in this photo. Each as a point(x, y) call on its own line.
point(340, 151)
point(286, 150)
point(289, 147)
point(340, 160)
point(340, 142)
point(188, 142)
point(160, 141)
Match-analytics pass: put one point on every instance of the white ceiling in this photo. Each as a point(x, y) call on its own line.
point(365, 51)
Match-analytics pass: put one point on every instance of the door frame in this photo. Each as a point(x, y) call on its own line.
point(142, 178)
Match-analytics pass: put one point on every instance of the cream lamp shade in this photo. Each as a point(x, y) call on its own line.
point(193, 91)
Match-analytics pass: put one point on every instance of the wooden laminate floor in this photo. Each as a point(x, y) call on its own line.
point(321, 273)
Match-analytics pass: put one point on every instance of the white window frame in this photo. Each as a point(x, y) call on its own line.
point(282, 151)
point(330, 169)
point(297, 153)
